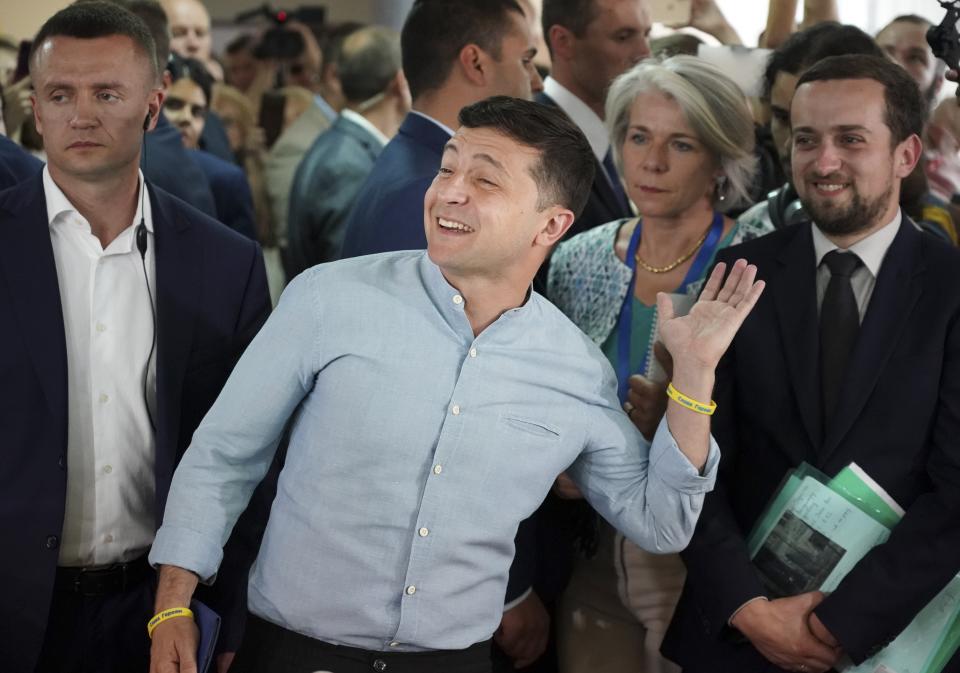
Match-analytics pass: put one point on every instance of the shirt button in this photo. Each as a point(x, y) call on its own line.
point(437, 469)
point(107, 469)
point(456, 410)
point(379, 665)
point(52, 542)
point(473, 352)
point(457, 299)
point(108, 538)
point(424, 532)
point(411, 590)
point(101, 327)
point(104, 398)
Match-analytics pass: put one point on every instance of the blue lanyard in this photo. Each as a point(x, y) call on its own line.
point(625, 321)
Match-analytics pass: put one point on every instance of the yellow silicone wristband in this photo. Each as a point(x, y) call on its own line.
point(690, 403)
point(161, 617)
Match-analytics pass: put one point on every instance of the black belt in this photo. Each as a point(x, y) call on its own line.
point(105, 581)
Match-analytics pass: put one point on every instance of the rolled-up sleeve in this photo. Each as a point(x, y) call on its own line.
point(650, 492)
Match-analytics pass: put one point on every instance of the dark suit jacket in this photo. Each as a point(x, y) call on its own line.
point(324, 190)
point(898, 418)
point(167, 165)
point(214, 138)
point(231, 192)
point(603, 205)
point(388, 212)
point(211, 299)
point(16, 164)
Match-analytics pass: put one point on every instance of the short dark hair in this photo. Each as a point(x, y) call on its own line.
point(436, 30)
point(804, 48)
point(152, 14)
point(564, 172)
point(369, 60)
point(574, 15)
point(89, 20)
point(915, 19)
point(905, 110)
point(184, 67)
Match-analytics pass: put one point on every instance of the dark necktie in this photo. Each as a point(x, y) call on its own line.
point(614, 179)
point(839, 326)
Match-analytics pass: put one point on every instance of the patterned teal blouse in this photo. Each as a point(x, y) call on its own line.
point(588, 282)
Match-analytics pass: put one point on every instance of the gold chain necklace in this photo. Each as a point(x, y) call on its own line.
point(674, 264)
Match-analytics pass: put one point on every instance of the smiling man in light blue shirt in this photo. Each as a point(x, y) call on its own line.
point(435, 398)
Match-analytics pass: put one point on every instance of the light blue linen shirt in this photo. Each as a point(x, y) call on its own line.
point(416, 450)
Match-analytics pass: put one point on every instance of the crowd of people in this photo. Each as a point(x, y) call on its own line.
point(478, 346)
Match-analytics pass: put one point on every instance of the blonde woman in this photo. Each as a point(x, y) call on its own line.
point(682, 137)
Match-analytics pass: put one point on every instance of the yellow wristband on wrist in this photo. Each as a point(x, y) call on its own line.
point(690, 403)
point(161, 617)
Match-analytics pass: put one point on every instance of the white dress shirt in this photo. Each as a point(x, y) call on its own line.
point(871, 251)
point(581, 114)
point(108, 326)
point(365, 124)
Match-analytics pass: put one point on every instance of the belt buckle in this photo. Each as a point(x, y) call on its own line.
point(98, 591)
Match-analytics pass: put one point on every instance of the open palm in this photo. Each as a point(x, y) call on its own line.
point(705, 333)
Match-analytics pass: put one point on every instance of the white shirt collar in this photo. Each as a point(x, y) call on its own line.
point(431, 119)
point(581, 114)
point(365, 124)
point(871, 250)
point(61, 212)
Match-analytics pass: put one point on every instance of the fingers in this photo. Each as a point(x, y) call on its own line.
point(733, 279)
point(664, 307)
point(712, 287)
point(664, 358)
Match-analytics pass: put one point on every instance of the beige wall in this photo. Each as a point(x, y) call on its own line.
point(21, 19)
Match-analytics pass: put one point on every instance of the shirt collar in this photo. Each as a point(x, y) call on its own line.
point(871, 250)
point(581, 114)
point(325, 107)
point(431, 119)
point(58, 204)
point(451, 303)
point(365, 124)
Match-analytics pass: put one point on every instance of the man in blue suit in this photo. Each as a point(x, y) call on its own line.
point(483, 49)
point(16, 164)
point(124, 312)
point(333, 170)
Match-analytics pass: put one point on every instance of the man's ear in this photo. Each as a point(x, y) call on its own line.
point(36, 113)
point(561, 41)
point(559, 222)
point(473, 64)
point(906, 155)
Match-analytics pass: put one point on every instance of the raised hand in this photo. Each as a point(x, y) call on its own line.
point(702, 336)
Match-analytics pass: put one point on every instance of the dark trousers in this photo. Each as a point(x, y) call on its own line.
point(270, 648)
point(98, 634)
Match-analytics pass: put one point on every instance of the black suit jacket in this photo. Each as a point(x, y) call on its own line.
point(898, 418)
point(211, 299)
point(231, 192)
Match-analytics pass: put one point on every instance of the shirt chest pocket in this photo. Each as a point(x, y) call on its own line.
point(530, 431)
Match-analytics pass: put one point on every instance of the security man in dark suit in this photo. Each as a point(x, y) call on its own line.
point(124, 311)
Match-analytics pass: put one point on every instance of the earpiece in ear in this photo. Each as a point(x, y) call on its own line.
point(146, 122)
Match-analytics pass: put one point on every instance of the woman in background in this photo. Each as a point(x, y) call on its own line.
point(682, 136)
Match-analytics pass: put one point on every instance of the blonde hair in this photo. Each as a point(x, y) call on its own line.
point(713, 105)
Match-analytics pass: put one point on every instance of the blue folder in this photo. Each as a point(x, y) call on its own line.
point(208, 622)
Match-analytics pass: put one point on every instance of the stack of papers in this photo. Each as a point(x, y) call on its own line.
point(815, 530)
